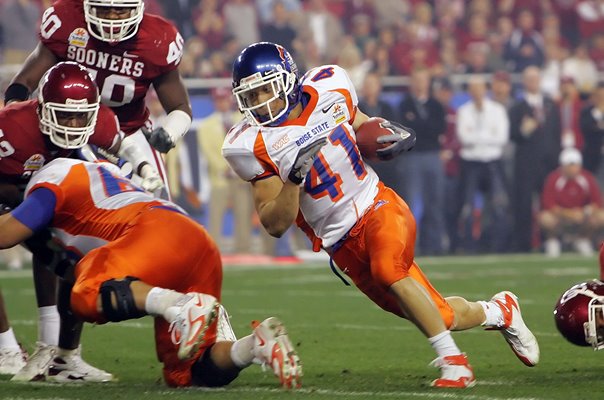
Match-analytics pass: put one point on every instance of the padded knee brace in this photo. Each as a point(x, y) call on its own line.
point(125, 306)
point(204, 372)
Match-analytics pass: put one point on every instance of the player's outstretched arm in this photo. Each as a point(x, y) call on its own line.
point(32, 215)
point(173, 97)
point(26, 80)
point(12, 231)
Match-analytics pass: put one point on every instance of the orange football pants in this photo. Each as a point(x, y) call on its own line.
point(162, 248)
point(379, 251)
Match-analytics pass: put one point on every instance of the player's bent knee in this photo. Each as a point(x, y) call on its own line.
point(204, 372)
point(117, 300)
point(385, 273)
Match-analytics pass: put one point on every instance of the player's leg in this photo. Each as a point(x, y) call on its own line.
point(268, 345)
point(49, 325)
point(67, 364)
point(45, 284)
point(389, 280)
point(141, 274)
point(12, 357)
point(501, 313)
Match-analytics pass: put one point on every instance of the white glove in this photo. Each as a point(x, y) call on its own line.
point(151, 179)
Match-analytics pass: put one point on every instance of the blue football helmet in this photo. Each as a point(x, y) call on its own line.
point(270, 66)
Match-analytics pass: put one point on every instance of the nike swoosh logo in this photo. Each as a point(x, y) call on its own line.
point(507, 307)
point(326, 109)
point(261, 340)
point(200, 322)
point(128, 55)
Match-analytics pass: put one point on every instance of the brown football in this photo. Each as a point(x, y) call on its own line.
point(367, 135)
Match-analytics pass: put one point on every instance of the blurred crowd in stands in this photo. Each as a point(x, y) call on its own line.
point(489, 172)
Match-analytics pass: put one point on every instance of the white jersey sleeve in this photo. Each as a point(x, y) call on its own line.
point(241, 151)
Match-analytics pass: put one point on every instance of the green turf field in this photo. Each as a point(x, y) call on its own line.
point(350, 349)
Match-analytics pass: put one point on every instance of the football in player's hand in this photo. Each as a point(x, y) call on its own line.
point(367, 135)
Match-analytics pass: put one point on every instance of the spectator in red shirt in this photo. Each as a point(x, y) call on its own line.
point(571, 206)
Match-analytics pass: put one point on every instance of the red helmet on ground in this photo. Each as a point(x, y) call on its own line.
point(578, 314)
point(65, 90)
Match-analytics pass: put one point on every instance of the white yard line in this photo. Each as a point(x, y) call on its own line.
point(367, 395)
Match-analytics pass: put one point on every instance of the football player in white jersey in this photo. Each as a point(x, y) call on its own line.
point(297, 147)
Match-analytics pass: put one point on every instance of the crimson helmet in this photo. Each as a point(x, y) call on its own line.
point(67, 88)
point(113, 30)
point(578, 314)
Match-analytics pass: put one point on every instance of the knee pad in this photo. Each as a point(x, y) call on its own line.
point(125, 307)
point(204, 372)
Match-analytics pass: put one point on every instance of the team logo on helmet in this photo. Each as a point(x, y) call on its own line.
point(287, 60)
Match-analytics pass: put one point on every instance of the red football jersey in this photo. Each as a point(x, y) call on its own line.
point(570, 193)
point(24, 149)
point(123, 71)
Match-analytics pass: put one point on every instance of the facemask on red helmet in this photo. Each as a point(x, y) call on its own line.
point(68, 92)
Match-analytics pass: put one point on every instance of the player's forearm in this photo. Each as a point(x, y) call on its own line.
point(131, 152)
point(12, 232)
point(38, 62)
point(280, 213)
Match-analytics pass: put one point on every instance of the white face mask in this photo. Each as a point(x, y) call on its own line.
point(281, 84)
point(113, 30)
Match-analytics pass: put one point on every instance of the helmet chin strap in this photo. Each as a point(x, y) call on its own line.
point(292, 104)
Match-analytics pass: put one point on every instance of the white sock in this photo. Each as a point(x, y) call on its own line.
point(493, 313)
point(444, 345)
point(49, 324)
point(241, 351)
point(162, 303)
point(8, 340)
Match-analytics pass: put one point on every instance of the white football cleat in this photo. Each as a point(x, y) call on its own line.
point(72, 368)
point(455, 372)
point(12, 360)
point(521, 340)
point(37, 364)
point(272, 347)
point(224, 330)
point(197, 312)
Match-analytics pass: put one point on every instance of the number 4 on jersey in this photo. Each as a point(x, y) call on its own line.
point(175, 50)
point(322, 181)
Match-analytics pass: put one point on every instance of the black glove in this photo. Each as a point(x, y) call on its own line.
point(402, 139)
point(304, 160)
point(159, 138)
